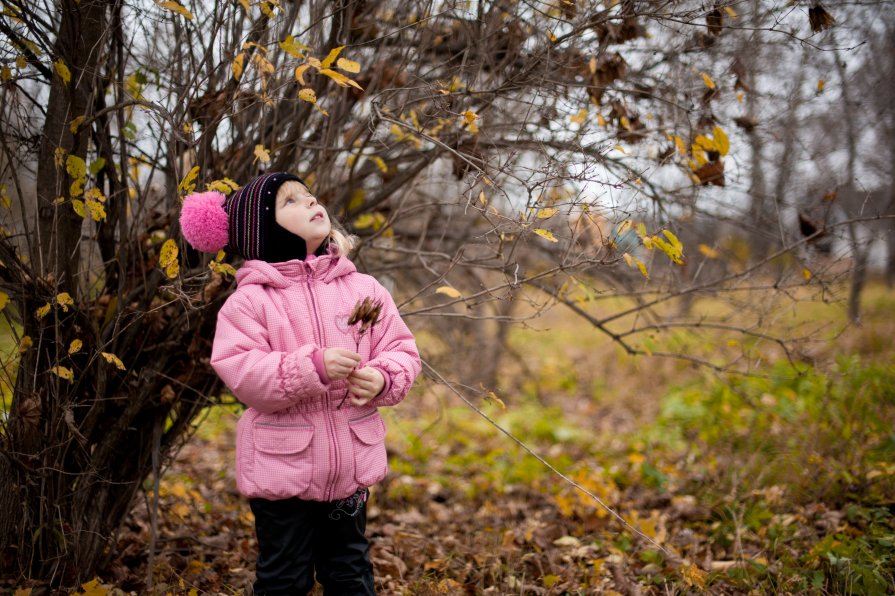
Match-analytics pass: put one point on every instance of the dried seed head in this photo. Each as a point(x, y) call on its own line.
point(366, 312)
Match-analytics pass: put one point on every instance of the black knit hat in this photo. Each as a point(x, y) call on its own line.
point(245, 222)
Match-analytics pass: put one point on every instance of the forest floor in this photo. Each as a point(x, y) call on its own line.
point(775, 483)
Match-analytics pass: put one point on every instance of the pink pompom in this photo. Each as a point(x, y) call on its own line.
point(204, 221)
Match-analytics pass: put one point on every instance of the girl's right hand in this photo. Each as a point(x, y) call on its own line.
point(339, 362)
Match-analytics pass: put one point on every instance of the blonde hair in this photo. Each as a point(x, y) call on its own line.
point(343, 242)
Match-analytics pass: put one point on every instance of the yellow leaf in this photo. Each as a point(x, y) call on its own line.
point(635, 263)
point(626, 124)
point(25, 344)
point(43, 310)
point(222, 268)
point(730, 12)
point(75, 124)
point(619, 148)
point(175, 7)
point(348, 65)
point(224, 185)
point(722, 143)
point(694, 576)
point(579, 118)
point(703, 142)
point(449, 292)
point(820, 85)
point(340, 79)
point(482, 198)
point(5, 73)
point(806, 273)
point(22, 592)
point(300, 72)
point(678, 246)
point(77, 187)
point(708, 251)
point(78, 206)
point(238, 65)
point(740, 96)
point(113, 359)
point(708, 81)
point(188, 184)
point(75, 166)
point(358, 196)
point(63, 71)
point(307, 94)
point(75, 346)
point(547, 212)
point(97, 211)
point(333, 54)
point(64, 300)
point(21, 62)
point(261, 154)
point(62, 372)
point(168, 258)
point(491, 396)
point(670, 251)
point(369, 220)
point(265, 66)
point(172, 270)
point(680, 145)
point(545, 234)
point(699, 157)
point(469, 116)
point(293, 48)
point(314, 62)
point(380, 163)
point(268, 6)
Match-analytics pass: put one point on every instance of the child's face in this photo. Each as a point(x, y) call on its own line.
point(299, 212)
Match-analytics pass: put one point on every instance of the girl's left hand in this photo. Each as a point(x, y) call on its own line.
point(364, 384)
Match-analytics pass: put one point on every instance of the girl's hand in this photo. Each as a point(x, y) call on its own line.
point(364, 384)
point(339, 362)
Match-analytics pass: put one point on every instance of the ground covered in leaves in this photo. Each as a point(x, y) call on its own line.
point(778, 483)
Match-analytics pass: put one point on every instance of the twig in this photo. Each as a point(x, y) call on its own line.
point(153, 511)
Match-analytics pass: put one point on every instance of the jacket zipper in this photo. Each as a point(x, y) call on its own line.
point(327, 412)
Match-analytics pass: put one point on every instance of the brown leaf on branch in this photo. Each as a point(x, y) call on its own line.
point(715, 21)
point(711, 173)
point(820, 19)
point(747, 123)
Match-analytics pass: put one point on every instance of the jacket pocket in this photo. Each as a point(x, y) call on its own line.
point(283, 462)
point(368, 440)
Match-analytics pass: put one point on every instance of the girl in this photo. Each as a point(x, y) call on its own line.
point(288, 344)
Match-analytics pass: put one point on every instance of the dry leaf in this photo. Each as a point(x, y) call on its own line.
point(113, 359)
point(449, 292)
point(546, 234)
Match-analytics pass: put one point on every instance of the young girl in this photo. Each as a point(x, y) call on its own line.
point(289, 346)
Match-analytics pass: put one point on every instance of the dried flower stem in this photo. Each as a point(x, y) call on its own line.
point(363, 317)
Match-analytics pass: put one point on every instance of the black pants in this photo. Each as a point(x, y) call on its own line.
point(297, 537)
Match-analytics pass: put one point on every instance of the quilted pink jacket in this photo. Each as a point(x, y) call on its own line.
point(293, 440)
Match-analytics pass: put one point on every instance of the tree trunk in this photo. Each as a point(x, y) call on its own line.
point(76, 443)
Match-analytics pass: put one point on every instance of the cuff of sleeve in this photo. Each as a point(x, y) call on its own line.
point(388, 382)
point(317, 359)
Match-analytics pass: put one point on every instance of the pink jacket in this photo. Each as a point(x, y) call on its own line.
point(293, 441)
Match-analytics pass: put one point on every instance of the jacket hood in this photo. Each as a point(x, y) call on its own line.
point(280, 275)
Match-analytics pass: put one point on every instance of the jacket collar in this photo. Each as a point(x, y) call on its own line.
point(325, 268)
